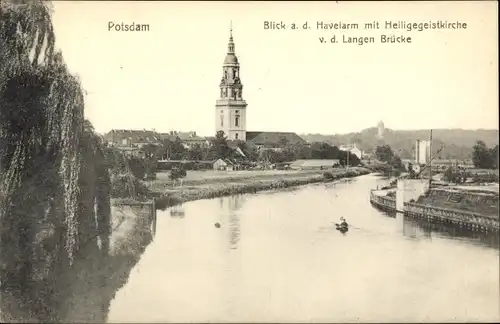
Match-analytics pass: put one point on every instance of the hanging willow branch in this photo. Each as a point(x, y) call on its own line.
point(52, 171)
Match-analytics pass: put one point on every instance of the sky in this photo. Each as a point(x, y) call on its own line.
point(168, 77)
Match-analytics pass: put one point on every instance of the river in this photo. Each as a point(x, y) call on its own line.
point(278, 258)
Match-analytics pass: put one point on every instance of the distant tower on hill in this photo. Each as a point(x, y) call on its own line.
point(380, 127)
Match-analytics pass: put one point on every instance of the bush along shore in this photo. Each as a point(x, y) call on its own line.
point(177, 195)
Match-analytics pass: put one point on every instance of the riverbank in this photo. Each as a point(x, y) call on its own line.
point(284, 244)
point(168, 194)
point(476, 211)
point(133, 227)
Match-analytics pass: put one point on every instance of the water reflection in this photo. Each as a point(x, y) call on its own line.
point(94, 288)
point(229, 208)
point(422, 229)
point(177, 211)
point(409, 229)
point(271, 262)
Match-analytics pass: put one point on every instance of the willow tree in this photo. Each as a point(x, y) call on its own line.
point(46, 161)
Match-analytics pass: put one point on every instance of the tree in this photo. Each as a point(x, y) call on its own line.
point(220, 135)
point(412, 173)
point(396, 162)
point(494, 157)
point(152, 151)
point(177, 173)
point(481, 156)
point(299, 151)
point(250, 151)
point(450, 175)
point(384, 153)
point(195, 153)
point(172, 150)
point(219, 146)
point(54, 183)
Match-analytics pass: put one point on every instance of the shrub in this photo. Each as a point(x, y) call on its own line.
point(127, 186)
point(328, 175)
point(177, 174)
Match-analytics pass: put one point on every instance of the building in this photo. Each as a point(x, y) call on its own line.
point(314, 164)
point(422, 152)
point(274, 140)
point(170, 136)
point(231, 108)
point(190, 139)
point(443, 164)
point(223, 165)
point(353, 149)
point(123, 138)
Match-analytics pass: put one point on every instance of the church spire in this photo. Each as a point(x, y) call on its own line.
point(230, 45)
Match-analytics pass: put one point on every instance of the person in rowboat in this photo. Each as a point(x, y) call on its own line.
point(343, 223)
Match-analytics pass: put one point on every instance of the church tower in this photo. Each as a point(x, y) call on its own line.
point(230, 108)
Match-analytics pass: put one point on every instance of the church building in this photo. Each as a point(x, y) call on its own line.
point(231, 108)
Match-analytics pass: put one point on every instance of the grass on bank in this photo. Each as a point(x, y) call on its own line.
point(225, 186)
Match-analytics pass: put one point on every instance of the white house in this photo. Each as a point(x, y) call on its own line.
point(353, 149)
point(223, 165)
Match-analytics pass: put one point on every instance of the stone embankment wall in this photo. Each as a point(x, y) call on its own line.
point(438, 214)
point(476, 202)
point(473, 221)
point(385, 203)
point(132, 226)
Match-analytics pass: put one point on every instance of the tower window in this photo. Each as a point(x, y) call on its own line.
point(221, 120)
point(236, 136)
point(237, 121)
point(225, 74)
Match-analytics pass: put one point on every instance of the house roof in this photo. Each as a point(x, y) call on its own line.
point(170, 137)
point(274, 138)
point(226, 161)
point(133, 135)
point(348, 147)
point(190, 137)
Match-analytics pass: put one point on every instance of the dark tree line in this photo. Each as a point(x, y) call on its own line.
point(484, 157)
point(385, 154)
point(219, 148)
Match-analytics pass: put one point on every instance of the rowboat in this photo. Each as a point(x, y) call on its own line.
point(342, 228)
